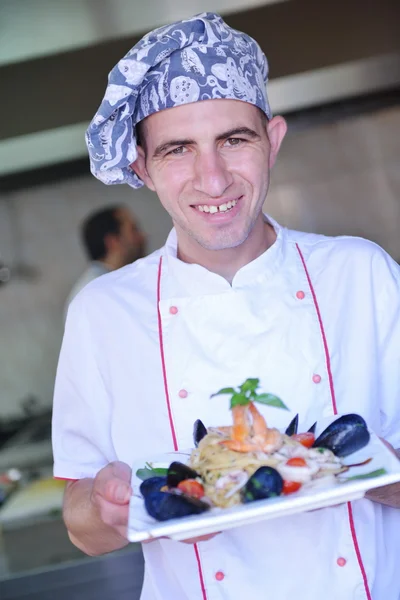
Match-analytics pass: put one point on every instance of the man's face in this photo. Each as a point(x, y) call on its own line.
point(131, 240)
point(209, 164)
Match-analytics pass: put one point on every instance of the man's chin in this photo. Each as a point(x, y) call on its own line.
point(225, 243)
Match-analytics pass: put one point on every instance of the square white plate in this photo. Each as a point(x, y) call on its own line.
point(143, 527)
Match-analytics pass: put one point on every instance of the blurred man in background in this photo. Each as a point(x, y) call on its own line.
point(112, 239)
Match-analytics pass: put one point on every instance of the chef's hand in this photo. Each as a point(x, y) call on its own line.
point(201, 538)
point(388, 495)
point(195, 540)
point(96, 510)
point(396, 453)
point(110, 495)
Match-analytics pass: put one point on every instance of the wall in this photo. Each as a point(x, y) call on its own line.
point(31, 320)
point(338, 178)
point(342, 178)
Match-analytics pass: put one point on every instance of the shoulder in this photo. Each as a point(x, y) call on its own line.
point(134, 283)
point(343, 244)
point(91, 273)
point(344, 252)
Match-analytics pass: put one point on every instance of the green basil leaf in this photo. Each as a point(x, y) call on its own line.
point(376, 473)
point(224, 391)
point(146, 473)
point(239, 400)
point(270, 400)
point(250, 385)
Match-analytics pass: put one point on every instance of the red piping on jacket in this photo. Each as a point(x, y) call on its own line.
point(328, 367)
point(321, 326)
point(171, 422)
point(164, 370)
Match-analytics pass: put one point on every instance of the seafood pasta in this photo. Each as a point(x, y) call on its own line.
point(224, 471)
point(250, 461)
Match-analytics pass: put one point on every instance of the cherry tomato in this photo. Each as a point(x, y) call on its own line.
point(289, 487)
point(296, 461)
point(191, 487)
point(306, 439)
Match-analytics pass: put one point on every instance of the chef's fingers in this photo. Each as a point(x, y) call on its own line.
point(201, 538)
point(114, 515)
point(112, 483)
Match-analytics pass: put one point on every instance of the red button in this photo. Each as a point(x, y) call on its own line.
point(183, 394)
point(300, 295)
point(341, 561)
point(316, 378)
point(219, 575)
point(173, 310)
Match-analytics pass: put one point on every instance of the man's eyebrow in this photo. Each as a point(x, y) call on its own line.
point(238, 131)
point(222, 136)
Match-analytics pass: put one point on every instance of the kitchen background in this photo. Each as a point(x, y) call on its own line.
point(337, 178)
point(335, 75)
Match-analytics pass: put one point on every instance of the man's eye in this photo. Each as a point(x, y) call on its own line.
point(178, 150)
point(234, 141)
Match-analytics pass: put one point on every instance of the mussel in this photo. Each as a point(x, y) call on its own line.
point(164, 505)
point(293, 426)
point(344, 436)
point(153, 484)
point(266, 482)
point(178, 472)
point(199, 431)
point(312, 428)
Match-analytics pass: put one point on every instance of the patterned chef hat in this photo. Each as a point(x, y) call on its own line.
point(201, 58)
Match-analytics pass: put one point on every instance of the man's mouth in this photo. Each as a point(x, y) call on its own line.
point(215, 208)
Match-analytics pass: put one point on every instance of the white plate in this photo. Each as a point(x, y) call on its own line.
point(143, 527)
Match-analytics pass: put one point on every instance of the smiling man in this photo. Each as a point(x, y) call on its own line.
point(231, 295)
point(213, 183)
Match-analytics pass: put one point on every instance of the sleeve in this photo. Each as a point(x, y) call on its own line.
point(389, 348)
point(81, 423)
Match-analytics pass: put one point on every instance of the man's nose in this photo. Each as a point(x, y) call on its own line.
point(211, 174)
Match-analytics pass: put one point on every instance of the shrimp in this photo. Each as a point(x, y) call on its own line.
point(250, 432)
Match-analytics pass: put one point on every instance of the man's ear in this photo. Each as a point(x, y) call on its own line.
point(111, 243)
point(139, 167)
point(276, 130)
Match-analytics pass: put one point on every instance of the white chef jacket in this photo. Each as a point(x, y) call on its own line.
point(317, 320)
point(95, 269)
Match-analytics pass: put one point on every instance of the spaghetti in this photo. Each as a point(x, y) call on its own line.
point(224, 472)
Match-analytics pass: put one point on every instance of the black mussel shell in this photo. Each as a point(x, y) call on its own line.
point(293, 425)
point(344, 436)
point(178, 472)
point(312, 428)
point(199, 431)
point(266, 482)
point(152, 484)
point(163, 506)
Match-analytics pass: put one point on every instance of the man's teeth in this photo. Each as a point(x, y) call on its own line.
point(214, 209)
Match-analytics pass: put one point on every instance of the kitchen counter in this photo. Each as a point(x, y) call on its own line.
point(38, 561)
point(117, 576)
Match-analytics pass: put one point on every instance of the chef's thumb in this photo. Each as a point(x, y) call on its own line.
point(122, 493)
point(113, 483)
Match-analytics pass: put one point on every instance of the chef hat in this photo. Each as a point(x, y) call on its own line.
point(200, 58)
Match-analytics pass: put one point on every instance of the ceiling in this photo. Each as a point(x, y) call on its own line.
point(61, 26)
point(55, 56)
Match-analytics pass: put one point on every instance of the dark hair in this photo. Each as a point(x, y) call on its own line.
point(140, 134)
point(96, 227)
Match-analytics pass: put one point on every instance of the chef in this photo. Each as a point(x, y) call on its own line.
point(231, 295)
